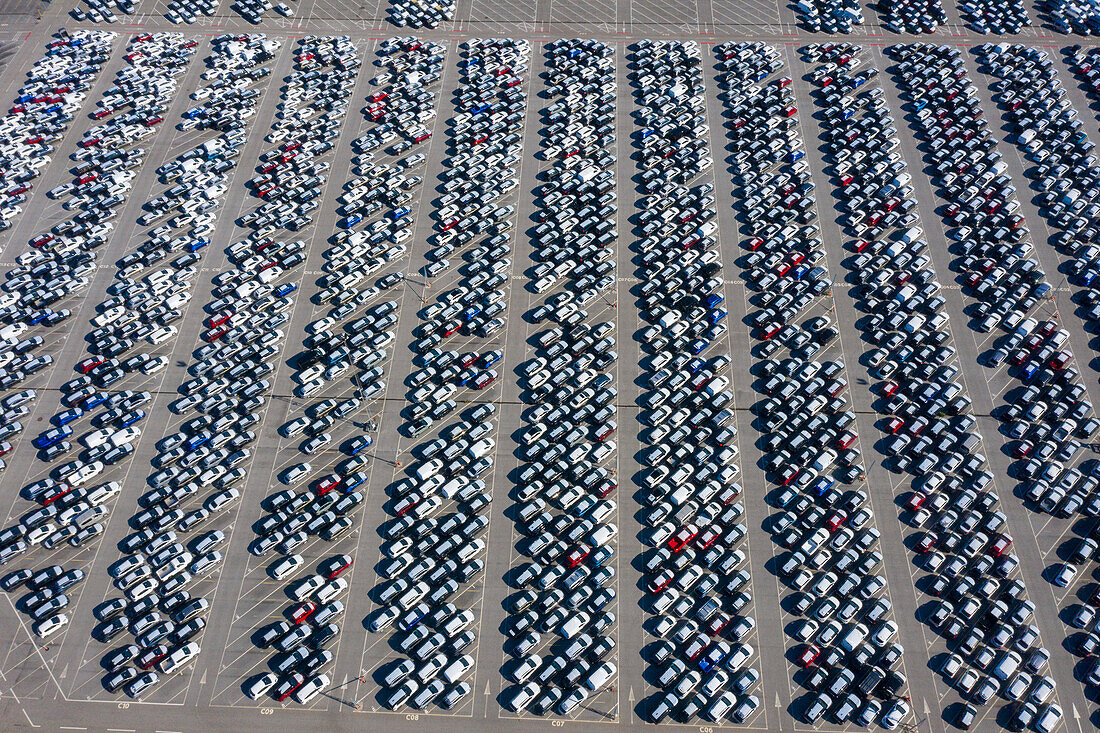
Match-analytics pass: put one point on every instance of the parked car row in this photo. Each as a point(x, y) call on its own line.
point(228, 101)
point(201, 462)
point(67, 508)
point(100, 11)
point(981, 605)
point(845, 632)
point(434, 549)
point(189, 11)
point(561, 629)
point(299, 639)
point(1066, 171)
point(698, 589)
point(421, 13)
point(373, 198)
point(830, 16)
point(1046, 127)
point(995, 16)
point(60, 264)
point(140, 310)
point(316, 96)
point(47, 595)
point(912, 16)
point(44, 107)
point(1048, 415)
point(1075, 16)
point(254, 10)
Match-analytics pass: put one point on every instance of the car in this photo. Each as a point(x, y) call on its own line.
point(256, 686)
point(522, 696)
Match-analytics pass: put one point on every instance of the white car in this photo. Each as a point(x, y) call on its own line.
point(260, 684)
point(305, 587)
point(86, 473)
point(457, 669)
point(51, 625)
point(330, 590)
point(524, 668)
point(39, 533)
point(126, 435)
point(296, 473)
point(285, 566)
point(98, 437)
point(523, 697)
point(154, 365)
point(162, 334)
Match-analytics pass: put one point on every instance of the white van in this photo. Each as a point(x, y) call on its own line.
point(428, 469)
point(482, 448)
point(853, 639)
point(178, 660)
point(311, 689)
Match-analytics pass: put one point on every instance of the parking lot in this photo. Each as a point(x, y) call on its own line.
point(417, 500)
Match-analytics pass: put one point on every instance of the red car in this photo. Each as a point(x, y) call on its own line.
point(302, 611)
point(327, 484)
point(707, 537)
point(288, 686)
point(484, 379)
point(809, 655)
point(576, 556)
point(1000, 545)
point(54, 493)
point(152, 656)
point(660, 581)
point(332, 567)
point(683, 536)
point(89, 364)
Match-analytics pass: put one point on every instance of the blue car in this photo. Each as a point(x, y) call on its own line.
point(130, 418)
point(64, 418)
point(196, 440)
point(361, 445)
point(285, 289)
point(94, 400)
point(196, 244)
point(348, 485)
point(822, 485)
point(51, 436)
